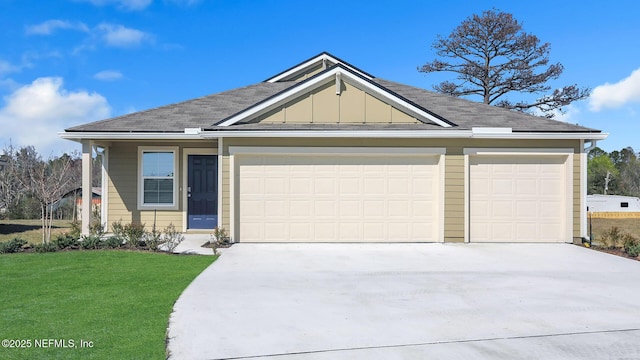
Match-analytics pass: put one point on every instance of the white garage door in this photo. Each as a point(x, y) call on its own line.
point(518, 198)
point(335, 198)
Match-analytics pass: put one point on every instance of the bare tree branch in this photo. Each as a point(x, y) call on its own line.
point(492, 57)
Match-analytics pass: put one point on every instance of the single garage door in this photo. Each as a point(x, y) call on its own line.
point(518, 198)
point(337, 198)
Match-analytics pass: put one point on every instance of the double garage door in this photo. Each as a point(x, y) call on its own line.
point(398, 198)
point(339, 198)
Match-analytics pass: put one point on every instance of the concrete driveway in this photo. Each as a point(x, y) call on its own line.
point(410, 301)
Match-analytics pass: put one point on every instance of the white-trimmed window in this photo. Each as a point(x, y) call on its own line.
point(157, 177)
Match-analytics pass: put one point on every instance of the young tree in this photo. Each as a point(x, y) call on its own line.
point(492, 57)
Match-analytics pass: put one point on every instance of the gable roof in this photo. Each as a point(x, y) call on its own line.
point(324, 58)
point(230, 110)
point(337, 73)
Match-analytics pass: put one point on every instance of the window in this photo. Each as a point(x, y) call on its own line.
point(157, 178)
point(624, 204)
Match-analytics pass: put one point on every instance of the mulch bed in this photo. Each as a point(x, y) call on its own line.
point(617, 251)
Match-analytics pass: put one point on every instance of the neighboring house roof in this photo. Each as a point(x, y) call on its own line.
point(233, 110)
point(96, 192)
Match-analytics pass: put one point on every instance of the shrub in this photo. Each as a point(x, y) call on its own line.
point(76, 229)
point(46, 247)
point(65, 241)
point(612, 238)
point(12, 246)
point(114, 241)
point(134, 234)
point(153, 239)
point(631, 245)
point(220, 236)
point(171, 238)
point(96, 227)
point(91, 242)
point(117, 228)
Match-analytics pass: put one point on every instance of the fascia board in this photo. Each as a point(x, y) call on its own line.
point(313, 61)
point(320, 80)
point(78, 136)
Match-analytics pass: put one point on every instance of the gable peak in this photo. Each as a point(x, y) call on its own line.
point(314, 65)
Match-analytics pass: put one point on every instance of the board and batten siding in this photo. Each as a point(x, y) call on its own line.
point(454, 201)
point(324, 106)
point(123, 185)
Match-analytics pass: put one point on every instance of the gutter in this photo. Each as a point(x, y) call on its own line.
point(190, 134)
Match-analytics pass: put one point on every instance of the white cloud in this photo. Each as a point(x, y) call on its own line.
point(35, 113)
point(120, 36)
point(108, 75)
point(49, 26)
point(7, 68)
point(616, 95)
point(129, 5)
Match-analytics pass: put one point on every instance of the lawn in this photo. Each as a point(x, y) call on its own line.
point(599, 226)
point(30, 229)
point(120, 301)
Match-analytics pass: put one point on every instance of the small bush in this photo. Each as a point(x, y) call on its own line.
point(65, 241)
point(612, 238)
point(117, 228)
point(76, 229)
point(171, 238)
point(12, 246)
point(134, 234)
point(113, 242)
point(631, 245)
point(91, 242)
point(153, 239)
point(46, 247)
point(220, 236)
point(96, 227)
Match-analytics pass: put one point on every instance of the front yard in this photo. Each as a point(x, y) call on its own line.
point(90, 304)
point(30, 230)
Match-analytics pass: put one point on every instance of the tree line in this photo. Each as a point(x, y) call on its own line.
point(614, 173)
point(32, 187)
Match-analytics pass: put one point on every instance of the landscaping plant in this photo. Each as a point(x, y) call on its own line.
point(12, 246)
point(171, 238)
point(631, 245)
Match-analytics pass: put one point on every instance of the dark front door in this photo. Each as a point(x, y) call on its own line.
point(202, 192)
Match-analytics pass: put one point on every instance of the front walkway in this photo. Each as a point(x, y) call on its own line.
point(192, 244)
point(410, 301)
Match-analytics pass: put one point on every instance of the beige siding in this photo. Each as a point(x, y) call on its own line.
point(299, 111)
point(324, 106)
point(123, 185)
point(226, 190)
point(454, 198)
point(576, 195)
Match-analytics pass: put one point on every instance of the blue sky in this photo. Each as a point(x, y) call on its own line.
point(67, 62)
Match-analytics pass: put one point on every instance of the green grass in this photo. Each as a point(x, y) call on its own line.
point(119, 300)
point(30, 230)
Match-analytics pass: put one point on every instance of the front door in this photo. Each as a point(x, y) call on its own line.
point(202, 192)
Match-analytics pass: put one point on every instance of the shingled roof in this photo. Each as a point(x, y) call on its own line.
point(208, 112)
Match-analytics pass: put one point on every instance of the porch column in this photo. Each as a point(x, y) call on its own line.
point(87, 194)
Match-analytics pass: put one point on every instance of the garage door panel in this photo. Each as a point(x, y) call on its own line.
point(518, 198)
point(329, 198)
